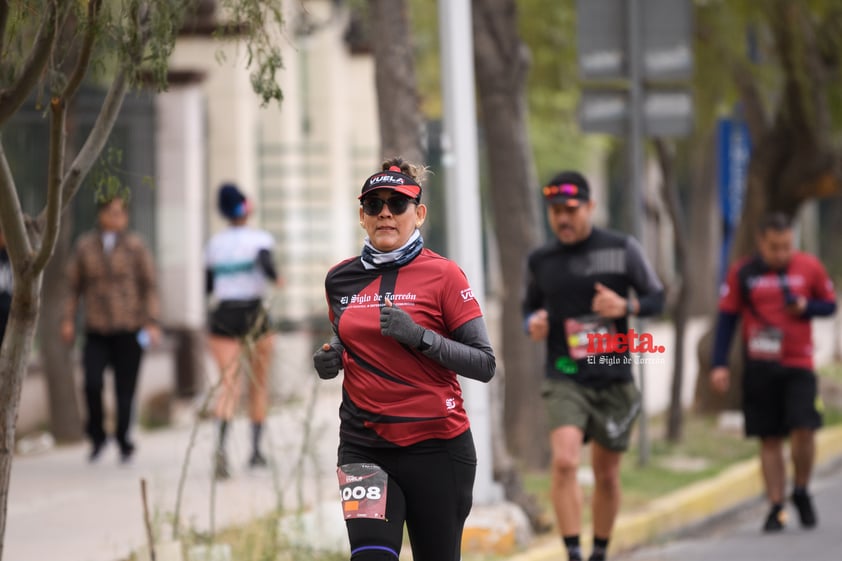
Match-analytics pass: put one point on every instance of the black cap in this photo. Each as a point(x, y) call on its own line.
point(392, 179)
point(567, 187)
point(232, 203)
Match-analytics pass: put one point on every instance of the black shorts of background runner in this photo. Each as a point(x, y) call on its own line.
point(430, 488)
point(238, 318)
point(778, 399)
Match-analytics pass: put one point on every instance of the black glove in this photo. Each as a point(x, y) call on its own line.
point(328, 361)
point(397, 324)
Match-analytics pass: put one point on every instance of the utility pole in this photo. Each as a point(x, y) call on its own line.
point(464, 223)
point(635, 154)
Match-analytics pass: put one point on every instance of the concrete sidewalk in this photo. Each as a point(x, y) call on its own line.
point(61, 507)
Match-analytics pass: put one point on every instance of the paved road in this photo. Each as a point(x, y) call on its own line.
point(738, 537)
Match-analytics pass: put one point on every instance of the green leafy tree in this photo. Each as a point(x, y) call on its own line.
point(47, 49)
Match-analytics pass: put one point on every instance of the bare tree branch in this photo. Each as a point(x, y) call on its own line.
point(754, 110)
point(85, 55)
point(827, 37)
point(58, 110)
point(399, 106)
point(511, 60)
point(11, 215)
point(96, 139)
point(816, 77)
point(12, 98)
point(787, 24)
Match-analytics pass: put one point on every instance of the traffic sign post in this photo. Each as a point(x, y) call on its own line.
point(635, 56)
point(664, 34)
point(666, 112)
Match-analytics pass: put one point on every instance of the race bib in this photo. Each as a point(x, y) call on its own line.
point(362, 488)
point(589, 335)
point(765, 343)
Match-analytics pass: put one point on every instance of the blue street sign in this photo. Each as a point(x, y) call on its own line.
point(733, 155)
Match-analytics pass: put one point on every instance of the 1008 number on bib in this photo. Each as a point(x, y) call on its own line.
point(362, 488)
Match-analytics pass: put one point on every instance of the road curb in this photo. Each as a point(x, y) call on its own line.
point(498, 529)
point(691, 504)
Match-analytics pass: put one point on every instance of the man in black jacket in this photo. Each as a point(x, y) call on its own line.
point(578, 300)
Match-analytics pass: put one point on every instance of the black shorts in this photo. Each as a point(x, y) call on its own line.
point(238, 318)
point(779, 399)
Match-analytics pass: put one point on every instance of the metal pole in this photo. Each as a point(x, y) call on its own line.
point(635, 147)
point(464, 225)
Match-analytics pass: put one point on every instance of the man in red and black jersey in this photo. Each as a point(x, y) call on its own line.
point(776, 292)
point(406, 323)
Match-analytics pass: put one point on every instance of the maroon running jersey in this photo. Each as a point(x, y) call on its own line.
point(759, 295)
point(393, 394)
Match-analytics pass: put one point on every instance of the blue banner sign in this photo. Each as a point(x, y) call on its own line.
point(733, 155)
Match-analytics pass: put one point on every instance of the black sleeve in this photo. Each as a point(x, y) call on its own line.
point(818, 308)
point(726, 323)
point(208, 280)
point(468, 353)
point(337, 345)
point(267, 263)
point(647, 286)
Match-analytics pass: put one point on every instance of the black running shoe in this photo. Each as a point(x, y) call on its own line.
point(96, 451)
point(806, 512)
point(775, 520)
point(126, 452)
point(257, 460)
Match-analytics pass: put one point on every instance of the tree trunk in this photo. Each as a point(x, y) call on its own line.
point(58, 360)
point(14, 358)
point(669, 192)
point(704, 227)
point(502, 62)
point(398, 104)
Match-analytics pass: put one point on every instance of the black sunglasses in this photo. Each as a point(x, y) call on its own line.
point(397, 205)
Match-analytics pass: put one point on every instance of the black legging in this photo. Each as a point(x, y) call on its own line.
point(122, 352)
point(430, 489)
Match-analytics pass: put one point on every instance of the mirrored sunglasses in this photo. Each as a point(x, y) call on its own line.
point(397, 205)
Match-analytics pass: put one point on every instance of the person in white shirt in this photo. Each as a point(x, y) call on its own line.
point(239, 272)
